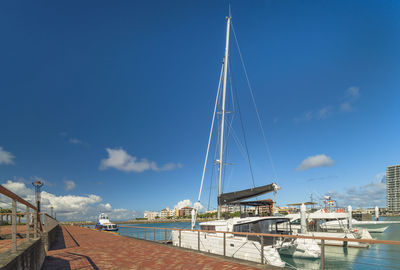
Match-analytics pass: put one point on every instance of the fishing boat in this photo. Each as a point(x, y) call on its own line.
point(104, 224)
point(218, 237)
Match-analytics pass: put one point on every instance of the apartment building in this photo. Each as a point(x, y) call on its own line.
point(393, 188)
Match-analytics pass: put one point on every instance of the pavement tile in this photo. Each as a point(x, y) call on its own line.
point(83, 248)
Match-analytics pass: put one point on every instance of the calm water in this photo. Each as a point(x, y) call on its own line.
point(375, 257)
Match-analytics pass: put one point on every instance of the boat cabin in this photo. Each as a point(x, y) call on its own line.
point(271, 225)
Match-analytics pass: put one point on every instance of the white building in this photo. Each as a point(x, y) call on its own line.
point(151, 215)
point(393, 188)
point(167, 212)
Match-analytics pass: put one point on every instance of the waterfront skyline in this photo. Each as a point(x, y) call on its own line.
point(110, 103)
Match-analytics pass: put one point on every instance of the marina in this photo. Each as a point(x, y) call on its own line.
point(202, 135)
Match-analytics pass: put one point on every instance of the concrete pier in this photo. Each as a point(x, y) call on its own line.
point(84, 248)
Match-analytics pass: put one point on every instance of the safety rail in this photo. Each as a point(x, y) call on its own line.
point(150, 234)
point(37, 227)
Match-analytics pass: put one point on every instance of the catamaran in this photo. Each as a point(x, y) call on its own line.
point(218, 236)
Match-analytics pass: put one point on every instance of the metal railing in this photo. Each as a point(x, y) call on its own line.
point(165, 236)
point(37, 227)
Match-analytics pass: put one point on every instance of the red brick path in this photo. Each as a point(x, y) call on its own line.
point(83, 248)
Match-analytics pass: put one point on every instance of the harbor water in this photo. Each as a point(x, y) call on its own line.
point(375, 257)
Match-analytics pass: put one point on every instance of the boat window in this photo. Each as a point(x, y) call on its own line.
point(242, 228)
point(207, 227)
point(267, 226)
point(295, 222)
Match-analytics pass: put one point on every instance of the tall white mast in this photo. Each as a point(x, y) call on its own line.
point(221, 145)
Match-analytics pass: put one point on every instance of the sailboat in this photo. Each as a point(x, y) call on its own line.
point(218, 236)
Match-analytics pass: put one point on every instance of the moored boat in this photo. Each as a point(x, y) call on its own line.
point(103, 223)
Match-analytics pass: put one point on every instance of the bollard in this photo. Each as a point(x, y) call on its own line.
point(322, 254)
point(14, 225)
point(224, 244)
point(27, 223)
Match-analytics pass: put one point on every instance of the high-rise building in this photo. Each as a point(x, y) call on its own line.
point(393, 188)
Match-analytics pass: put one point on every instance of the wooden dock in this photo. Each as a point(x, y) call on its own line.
point(84, 248)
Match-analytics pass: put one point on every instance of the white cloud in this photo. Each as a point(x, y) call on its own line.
point(188, 203)
point(71, 207)
point(69, 185)
point(6, 157)
point(369, 195)
point(119, 159)
point(315, 161)
point(75, 141)
point(19, 188)
point(183, 203)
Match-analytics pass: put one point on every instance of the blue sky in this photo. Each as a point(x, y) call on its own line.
point(139, 78)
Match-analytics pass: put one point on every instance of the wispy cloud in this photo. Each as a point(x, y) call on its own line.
point(315, 161)
point(369, 195)
point(69, 185)
point(119, 159)
point(352, 94)
point(75, 141)
point(6, 157)
point(72, 140)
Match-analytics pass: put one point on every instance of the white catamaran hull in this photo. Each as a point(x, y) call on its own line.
point(364, 235)
point(371, 226)
point(235, 247)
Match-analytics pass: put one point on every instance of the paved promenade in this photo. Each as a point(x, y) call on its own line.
point(83, 248)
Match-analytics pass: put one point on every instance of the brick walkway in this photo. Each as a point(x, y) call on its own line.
point(83, 248)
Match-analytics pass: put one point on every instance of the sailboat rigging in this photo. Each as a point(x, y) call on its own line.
point(239, 246)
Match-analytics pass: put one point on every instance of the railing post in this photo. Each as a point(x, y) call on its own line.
point(179, 238)
point(322, 254)
point(224, 244)
point(198, 240)
point(137, 232)
point(144, 234)
point(154, 235)
point(165, 235)
point(262, 249)
point(27, 223)
point(35, 225)
point(14, 225)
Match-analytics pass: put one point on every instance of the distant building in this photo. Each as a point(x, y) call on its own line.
point(151, 215)
point(185, 211)
point(393, 188)
point(165, 213)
